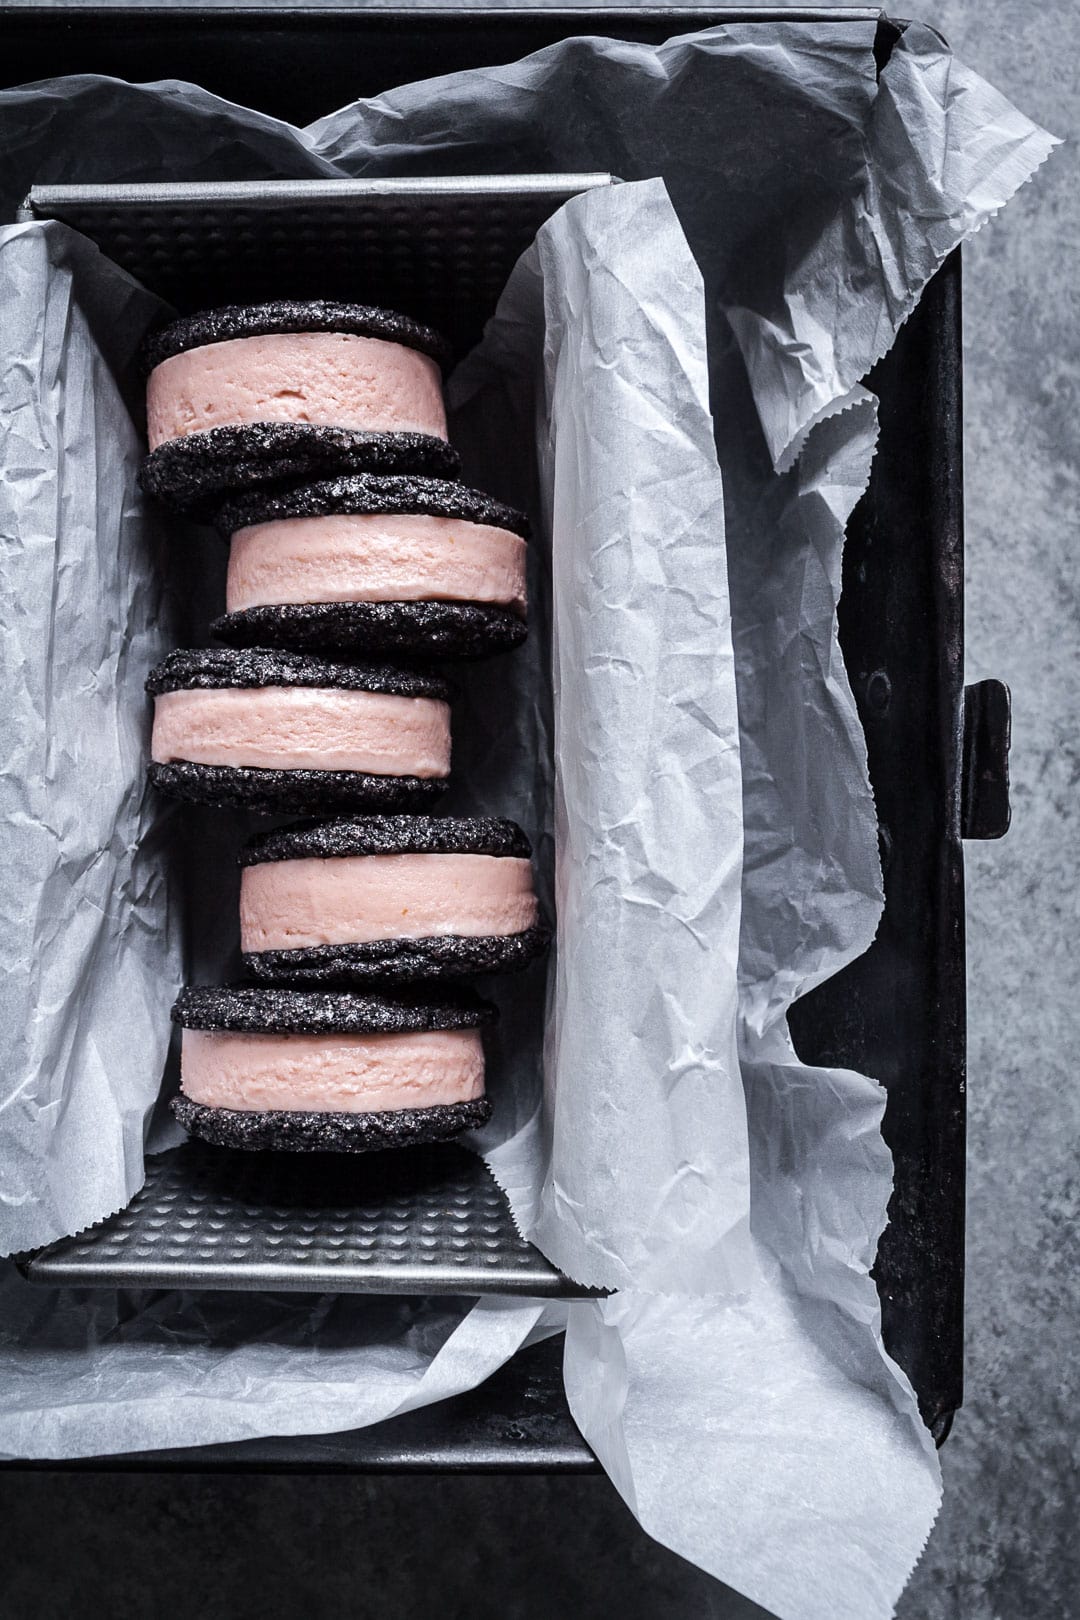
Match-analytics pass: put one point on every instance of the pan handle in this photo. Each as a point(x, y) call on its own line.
point(984, 801)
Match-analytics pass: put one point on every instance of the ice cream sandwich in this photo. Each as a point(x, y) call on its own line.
point(264, 393)
point(305, 1071)
point(371, 565)
point(396, 899)
point(277, 731)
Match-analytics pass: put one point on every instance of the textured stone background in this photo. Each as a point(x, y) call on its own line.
point(1005, 1547)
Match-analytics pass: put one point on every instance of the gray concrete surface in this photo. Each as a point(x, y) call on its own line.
point(1005, 1547)
point(1005, 1544)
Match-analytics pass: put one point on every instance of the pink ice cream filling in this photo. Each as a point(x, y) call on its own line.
point(355, 899)
point(347, 1074)
point(335, 379)
point(375, 557)
point(303, 728)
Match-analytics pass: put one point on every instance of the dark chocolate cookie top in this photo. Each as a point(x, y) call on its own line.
point(370, 492)
point(289, 315)
point(388, 835)
point(257, 1010)
point(207, 668)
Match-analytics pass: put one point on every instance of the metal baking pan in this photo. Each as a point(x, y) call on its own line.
point(420, 1221)
point(517, 1422)
point(441, 249)
point(438, 248)
point(937, 755)
point(313, 59)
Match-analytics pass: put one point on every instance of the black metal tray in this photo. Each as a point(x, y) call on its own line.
point(316, 58)
point(898, 1012)
point(516, 1423)
point(421, 1221)
point(439, 248)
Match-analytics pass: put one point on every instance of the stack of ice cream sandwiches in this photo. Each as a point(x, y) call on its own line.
point(313, 436)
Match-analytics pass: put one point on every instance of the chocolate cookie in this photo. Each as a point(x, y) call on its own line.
point(386, 629)
point(288, 316)
point(256, 1009)
point(363, 493)
point(297, 1131)
point(194, 474)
